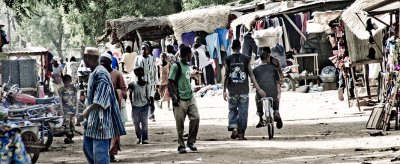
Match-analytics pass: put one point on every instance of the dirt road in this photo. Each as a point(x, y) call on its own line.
point(317, 129)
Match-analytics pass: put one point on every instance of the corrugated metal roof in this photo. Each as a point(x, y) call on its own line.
point(25, 51)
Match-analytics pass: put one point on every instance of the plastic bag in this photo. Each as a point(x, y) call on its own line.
point(124, 112)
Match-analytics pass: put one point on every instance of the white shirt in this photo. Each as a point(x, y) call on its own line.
point(150, 72)
point(129, 61)
point(203, 60)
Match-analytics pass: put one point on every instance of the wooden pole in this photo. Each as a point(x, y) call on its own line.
point(355, 90)
point(366, 77)
point(295, 27)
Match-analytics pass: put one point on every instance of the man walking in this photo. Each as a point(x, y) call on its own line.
point(148, 63)
point(103, 119)
point(56, 76)
point(237, 68)
point(183, 101)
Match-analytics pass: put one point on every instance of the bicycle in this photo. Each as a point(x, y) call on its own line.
point(268, 103)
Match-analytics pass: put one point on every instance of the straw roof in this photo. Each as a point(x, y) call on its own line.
point(125, 28)
point(205, 19)
point(356, 26)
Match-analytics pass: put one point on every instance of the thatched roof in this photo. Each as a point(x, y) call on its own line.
point(205, 19)
point(356, 26)
point(124, 28)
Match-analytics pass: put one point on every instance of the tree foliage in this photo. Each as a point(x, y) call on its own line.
point(79, 22)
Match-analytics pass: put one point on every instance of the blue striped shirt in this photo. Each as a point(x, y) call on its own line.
point(103, 123)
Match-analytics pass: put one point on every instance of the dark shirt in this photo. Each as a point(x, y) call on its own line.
point(238, 75)
point(267, 77)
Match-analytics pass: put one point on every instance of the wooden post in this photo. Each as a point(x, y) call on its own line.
point(355, 89)
point(346, 85)
point(366, 77)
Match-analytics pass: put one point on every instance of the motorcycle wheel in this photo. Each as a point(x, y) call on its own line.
point(288, 84)
point(48, 135)
point(30, 140)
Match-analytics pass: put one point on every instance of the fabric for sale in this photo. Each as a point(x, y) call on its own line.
point(214, 47)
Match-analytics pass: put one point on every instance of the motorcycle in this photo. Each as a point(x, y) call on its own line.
point(14, 96)
point(37, 108)
point(289, 82)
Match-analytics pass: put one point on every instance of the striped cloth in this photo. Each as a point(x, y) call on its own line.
point(103, 123)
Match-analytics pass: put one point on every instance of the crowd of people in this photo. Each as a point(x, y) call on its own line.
point(167, 79)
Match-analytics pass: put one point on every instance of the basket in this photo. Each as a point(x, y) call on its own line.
point(268, 37)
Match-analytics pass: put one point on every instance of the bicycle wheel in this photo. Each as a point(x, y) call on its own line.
point(30, 140)
point(270, 126)
point(47, 139)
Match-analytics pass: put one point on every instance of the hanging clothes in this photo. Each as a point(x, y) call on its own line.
point(214, 47)
point(222, 38)
point(260, 24)
point(188, 38)
point(306, 17)
point(294, 36)
point(285, 37)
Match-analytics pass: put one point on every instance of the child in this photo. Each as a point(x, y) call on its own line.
point(164, 72)
point(68, 95)
point(267, 76)
point(140, 106)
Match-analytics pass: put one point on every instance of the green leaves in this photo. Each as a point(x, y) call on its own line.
point(83, 20)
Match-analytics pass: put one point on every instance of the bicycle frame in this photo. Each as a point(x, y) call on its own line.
point(268, 103)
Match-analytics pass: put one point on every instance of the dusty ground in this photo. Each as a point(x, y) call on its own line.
point(317, 129)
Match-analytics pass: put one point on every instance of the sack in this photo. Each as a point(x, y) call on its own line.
point(268, 37)
point(124, 112)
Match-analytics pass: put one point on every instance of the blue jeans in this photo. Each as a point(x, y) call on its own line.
point(140, 117)
point(238, 112)
point(96, 150)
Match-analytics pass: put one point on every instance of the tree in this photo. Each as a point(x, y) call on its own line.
point(84, 20)
point(45, 28)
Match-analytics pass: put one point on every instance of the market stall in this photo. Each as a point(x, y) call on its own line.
point(297, 35)
point(364, 47)
point(387, 12)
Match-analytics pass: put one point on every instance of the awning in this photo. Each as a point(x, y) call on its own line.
point(382, 7)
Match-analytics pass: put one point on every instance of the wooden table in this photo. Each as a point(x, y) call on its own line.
point(315, 61)
point(197, 77)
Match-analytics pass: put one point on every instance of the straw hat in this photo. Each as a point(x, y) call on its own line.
point(91, 51)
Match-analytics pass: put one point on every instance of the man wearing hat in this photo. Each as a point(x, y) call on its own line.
point(103, 118)
point(120, 89)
